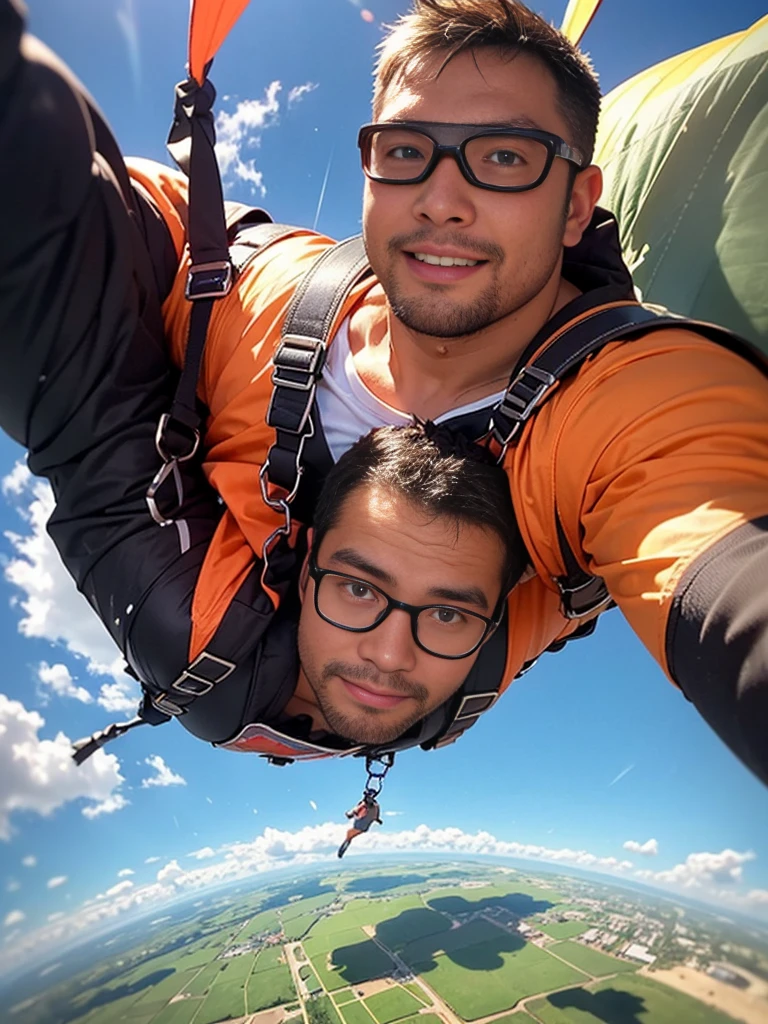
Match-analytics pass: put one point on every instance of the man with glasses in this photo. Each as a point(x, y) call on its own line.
point(640, 479)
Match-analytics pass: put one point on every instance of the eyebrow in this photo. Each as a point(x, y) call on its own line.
point(514, 122)
point(465, 595)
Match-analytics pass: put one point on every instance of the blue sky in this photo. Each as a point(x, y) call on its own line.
point(591, 751)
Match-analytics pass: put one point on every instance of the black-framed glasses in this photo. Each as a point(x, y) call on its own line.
point(444, 630)
point(497, 158)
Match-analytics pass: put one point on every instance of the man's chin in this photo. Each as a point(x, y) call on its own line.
point(368, 730)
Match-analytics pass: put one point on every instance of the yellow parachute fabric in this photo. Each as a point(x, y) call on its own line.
point(209, 24)
point(684, 149)
point(577, 17)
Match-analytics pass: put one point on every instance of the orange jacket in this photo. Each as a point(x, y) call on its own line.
point(653, 451)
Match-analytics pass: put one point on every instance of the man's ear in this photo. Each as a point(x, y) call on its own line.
point(304, 574)
point(587, 187)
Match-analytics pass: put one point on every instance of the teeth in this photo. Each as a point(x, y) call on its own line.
point(445, 261)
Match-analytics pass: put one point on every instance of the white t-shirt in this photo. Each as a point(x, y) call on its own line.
point(348, 409)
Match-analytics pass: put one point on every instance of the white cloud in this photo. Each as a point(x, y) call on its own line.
point(14, 917)
point(274, 848)
point(702, 870)
point(648, 849)
point(203, 854)
point(151, 860)
point(13, 885)
point(56, 917)
point(39, 775)
point(164, 776)
point(59, 678)
point(30, 861)
point(758, 896)
point(313, 805)
point(298, 92)
point(121, 887)
point(125, 872)
point(115, 802)
point(56, 881)
point(52, 607)
point(241, 129)
point(393, 814)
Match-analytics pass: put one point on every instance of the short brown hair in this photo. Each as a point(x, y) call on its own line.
point(440, 473)
point(453, 26)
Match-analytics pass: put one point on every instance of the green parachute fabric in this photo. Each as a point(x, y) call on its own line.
point(684, 149)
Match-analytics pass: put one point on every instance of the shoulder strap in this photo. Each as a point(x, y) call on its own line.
point(298, 365)
point(581, 593)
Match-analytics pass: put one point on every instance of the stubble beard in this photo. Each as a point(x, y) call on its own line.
point(440, 317)
point(368, 726)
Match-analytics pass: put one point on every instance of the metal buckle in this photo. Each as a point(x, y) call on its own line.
point(203, 685)
point(525, 408)
point(167, 706)
point(310, 391)
point(162, 426)
point(462, 714)
point(209, 280)
point(158, 480)
point(566, 593)
point(312, 370)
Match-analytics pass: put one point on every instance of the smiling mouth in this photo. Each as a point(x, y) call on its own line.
point(444, 261)
point(372, 698)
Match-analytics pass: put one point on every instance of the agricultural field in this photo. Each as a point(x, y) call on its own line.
point(351, 964)
point(270, 988)
point(180, 1012)
point(392, 1005)
point(476, 988)
point(591, 960)
point(355, 1013)
point(226, 999)
point(631, 998)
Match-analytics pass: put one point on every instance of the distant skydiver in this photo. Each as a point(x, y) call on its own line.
point(496, 300)
point(364, 814)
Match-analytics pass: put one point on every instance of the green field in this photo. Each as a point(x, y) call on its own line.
point(268, 958)
point(155, 998)
point(591, 960)
point(298, 927)
point(425, 1018)
point(633, 999)
point(308, 906)
point(361, 961)
point(322, 940)
point(270, 988)
point(424, 950)
point(391, 1005)
point(355, 1013)
point(344, 996)
point(473, 989)
point(226, 999)
point(199, 985)
point(266, 922)
point(563, 929)
point(409, 926)
point(415, 989)
point(178, 1013)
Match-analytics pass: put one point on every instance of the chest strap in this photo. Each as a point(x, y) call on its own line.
point(298, 365)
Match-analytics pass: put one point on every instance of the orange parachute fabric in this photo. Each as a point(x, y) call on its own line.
point(577, 17)
point(209, 24)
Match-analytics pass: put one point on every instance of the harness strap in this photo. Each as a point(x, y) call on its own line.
point(298, 365)
point(581, 593)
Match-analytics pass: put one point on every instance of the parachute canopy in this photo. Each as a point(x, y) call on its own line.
point(684, 149)
point(577, 17)
point(209, 24)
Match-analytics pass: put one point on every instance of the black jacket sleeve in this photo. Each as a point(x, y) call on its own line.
point(85, 376)
point(717, 641)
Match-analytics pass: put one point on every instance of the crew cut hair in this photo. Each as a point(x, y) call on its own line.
point(439, 473)
point(450, 27)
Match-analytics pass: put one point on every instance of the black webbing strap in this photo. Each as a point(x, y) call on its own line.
point(191, 144)
point(298, 364)
point(481, 688)
point(581, 593)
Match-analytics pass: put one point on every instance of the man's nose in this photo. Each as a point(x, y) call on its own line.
point(390, 646)
point(446, 197)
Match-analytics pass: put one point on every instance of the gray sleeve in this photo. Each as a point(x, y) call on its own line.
point(717, 641)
